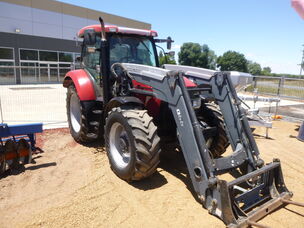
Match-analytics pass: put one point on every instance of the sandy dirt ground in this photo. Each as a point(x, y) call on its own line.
point(71, 185)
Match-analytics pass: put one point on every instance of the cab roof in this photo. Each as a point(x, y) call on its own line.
point(116, 29)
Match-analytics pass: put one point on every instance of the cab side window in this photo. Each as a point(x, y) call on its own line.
point(91, 57)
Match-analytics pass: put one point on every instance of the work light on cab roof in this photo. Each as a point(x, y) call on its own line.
point(117, 29)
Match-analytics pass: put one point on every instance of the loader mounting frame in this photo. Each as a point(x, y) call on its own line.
point(258, 188)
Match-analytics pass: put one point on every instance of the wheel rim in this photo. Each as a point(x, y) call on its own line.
point(75, 113)
point(119, 145)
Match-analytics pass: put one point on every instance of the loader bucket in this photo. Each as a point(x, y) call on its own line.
point(254, 195)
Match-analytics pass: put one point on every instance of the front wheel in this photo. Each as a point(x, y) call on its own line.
point(132, 143)
point(210, 115)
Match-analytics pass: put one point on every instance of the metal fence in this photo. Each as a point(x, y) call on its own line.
point(289, 93)
point(20, 104)
point(39, 98)
point(43, 100)
point(278, 86)
point(33, 73)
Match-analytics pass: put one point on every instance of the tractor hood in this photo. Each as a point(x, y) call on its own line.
point(239, 79)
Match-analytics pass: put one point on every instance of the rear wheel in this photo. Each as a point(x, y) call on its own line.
point(210, 116)
point(76, 117)
point(132, 143)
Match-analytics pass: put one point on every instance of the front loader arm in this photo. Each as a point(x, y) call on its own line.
point(258, 188)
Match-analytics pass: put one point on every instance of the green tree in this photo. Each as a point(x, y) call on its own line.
point(165, 59)
point(193, 54)
point(232, 60)
point(254, 68)
point(266, 71)
point(209, 57)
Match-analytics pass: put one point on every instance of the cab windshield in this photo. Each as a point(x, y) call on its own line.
point(131, 49)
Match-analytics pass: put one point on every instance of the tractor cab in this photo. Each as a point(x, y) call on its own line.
point(124, 45)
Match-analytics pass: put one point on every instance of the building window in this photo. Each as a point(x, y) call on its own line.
point(7, 72)
point(29, 72)
point(65, 57)
point(7, 53)
point(64, 68)
point(28, 54)
point(50, 56)
point(7, 62)
point(45, 66)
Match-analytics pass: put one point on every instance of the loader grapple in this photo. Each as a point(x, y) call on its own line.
point(256, 194)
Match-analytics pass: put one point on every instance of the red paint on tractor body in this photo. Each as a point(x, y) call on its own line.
point(189, 83)
point(152, 104)
point(85, 90)
point(138, 85)
point(83, 84)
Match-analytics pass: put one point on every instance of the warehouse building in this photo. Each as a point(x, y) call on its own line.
point(39, 37)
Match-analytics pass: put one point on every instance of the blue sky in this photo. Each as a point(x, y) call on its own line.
point(269, 32)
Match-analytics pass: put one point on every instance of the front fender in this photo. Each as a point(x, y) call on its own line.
point(83, 84)
point(119, 101)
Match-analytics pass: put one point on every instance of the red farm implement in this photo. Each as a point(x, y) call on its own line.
point(17, 142)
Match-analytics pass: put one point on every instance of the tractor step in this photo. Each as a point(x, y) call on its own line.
point(97, 112)
point(94, 123)
point(92, 135)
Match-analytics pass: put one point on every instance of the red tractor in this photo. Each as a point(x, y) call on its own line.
point(140, 109)
point(91, 99)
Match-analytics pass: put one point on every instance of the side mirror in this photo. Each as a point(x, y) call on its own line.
point(171, 53)
point(78, 59)
point(169, 42)
point(77, 64)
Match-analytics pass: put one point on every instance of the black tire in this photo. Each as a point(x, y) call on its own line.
point(210, 114)
point(10, 149)
point(76, 117)
point(2, 160)
point(137, 154)
point(22, 146)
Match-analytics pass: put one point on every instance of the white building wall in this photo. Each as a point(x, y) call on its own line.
point(39, 22)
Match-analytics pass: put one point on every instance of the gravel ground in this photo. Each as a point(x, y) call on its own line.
point(71, 185)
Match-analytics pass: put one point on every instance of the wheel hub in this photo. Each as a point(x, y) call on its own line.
point(119, 145)
point(123, 144)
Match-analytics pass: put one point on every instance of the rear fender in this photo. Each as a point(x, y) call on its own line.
point(83, 83)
